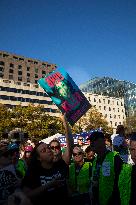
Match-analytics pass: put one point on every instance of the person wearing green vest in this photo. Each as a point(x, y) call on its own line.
point(127, 178)
point(79, 178)
point(105, 173)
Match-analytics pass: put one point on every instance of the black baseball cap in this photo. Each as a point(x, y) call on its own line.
point(96, 135)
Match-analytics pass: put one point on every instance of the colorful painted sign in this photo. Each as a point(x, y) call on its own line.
point(65, 94)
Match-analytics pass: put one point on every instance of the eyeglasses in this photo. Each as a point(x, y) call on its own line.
point(80, 139)
point(55, 147)
point(77, 154)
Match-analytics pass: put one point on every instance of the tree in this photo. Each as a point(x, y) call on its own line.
point(35, 121)
point(130, 124)
point(92, 120)
point(32, 119)
point(5, 119)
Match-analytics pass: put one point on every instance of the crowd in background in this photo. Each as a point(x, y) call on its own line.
point(97, 170)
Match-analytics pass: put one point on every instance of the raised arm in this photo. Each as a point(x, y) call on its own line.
point(69, 141)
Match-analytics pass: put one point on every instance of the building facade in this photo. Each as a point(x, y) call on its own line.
point(21, 69)
point(16, 93)
point(112, 108)
point(114, 88)
point(18, 85)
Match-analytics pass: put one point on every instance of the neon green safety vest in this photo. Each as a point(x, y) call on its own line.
point(106, 177)
point(81, 182)
point(125, 184)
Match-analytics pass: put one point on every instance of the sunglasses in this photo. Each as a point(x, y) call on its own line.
point(77, 154)
point(55, 147)
point(80, 139)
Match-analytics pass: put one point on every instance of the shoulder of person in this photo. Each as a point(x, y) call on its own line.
point(60, 163)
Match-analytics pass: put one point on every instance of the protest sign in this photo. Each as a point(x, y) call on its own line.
point(65, 94)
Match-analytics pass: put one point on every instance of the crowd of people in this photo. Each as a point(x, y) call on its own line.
point(101, 171)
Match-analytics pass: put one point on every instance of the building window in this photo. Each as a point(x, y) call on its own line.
point(104, 107)
point(11, 77)
point(1, 69)
point(30, 61)
point(28, 80)
point(18, 83)
point(100, 107)
point(117, 103)
point(11, 65)
point(28, 68)
point(1, 75)
point(109, 109)
point(19, 78)
point(43, 72)
point(28, 74)
point(5, 55)
point(114, 109)
point(36, 70)
point(21, 59)
point(2, 63)
point(36, 76)
point(115, 123)
point(19, 67)
point(16, 58)
point(19, 72)
point(105, 115)
point(10, 71)
point(108, 101)
point(115, 116)
point(94, 100)
point(99, 101)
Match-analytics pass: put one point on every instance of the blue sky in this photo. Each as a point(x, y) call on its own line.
point(88, 38)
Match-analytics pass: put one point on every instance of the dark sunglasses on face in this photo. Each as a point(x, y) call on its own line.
point(77, 154)
point(55, 147)
point(80, 139)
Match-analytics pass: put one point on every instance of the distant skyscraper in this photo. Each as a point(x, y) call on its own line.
point(114, 88)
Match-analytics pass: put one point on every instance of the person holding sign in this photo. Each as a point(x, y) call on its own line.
point(46, 176)
point(64, 158)
point(105, 173)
